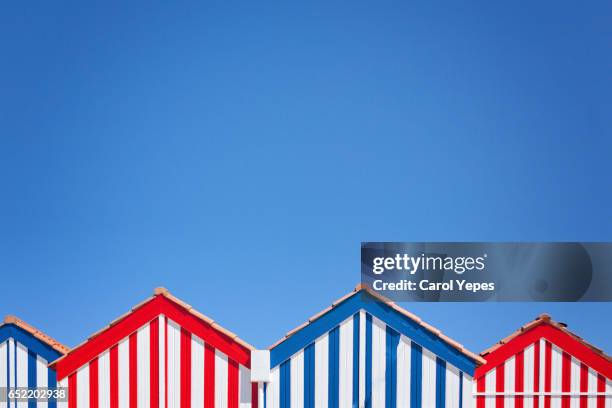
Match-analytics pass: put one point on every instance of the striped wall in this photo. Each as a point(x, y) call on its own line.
point(160, 365)
point(543, 375)
point(24, 368)
point(365, 363)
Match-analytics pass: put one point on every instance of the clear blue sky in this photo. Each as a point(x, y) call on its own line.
point(239, 153)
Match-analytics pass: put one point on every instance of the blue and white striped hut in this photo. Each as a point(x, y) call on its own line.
point(25, 353)
point(366, 352)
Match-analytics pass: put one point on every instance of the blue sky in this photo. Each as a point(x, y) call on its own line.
point(239, 153)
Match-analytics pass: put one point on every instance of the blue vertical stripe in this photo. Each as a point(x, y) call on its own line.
point(368, 362)
point(416, 364)
point(52, 381)
point(460, 389)
point(333, 379)
point(31, 376)
point(265, 392)
point(285, 384)
point(440, 383)
point(356, 360)
point(392, 340)
point(309, 378)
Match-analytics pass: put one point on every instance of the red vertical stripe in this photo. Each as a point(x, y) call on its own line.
point(93, 383)
point(154, 362)
point(72, 391)
point(209, 377)
point(232, 384)
point(566, 379)
point(499, 385)
point(519, 378)
point(601, 387)
point(134, 370)
point(185, 369)
point(536, 374)
point(547, 372)
point(114, 377)
point(584, 384)
point(204, 379)
point(480, 387)
point(254, 395)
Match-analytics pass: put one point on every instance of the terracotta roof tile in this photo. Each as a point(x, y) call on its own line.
point(201, 316)
point(432, 329)
point(544, 319)
point(321, 313)
point(160, 291)
point(361, 287)
point(56, 345)
point(297, 329)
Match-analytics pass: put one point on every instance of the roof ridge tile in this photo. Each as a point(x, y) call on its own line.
point(54, 344)
point(364, 288)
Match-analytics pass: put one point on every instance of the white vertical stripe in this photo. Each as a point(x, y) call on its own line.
point(42, 373)
point(143, 353)
point(297, 380)
point(104, 380)
point(528, 374)
point(509, 379)
point(403, 372)
point(22, 370)
point(452, 387)
point(469, 401)
point(82, 379)
point(221, 368)
point(244, 387)
point(575, 383)
point(63, 385)
point(42, 378)
point(556, 373)
point(11, 380)
point(609, 391)
point(124, 373)
point(541, 370)
point(490, 387)
point(592, 401)
point(362, 337)
point(345, 372)
point(3, 367)
point(321, 373)
point(260, 395)
point(162, 362)
point(379, 342)
point(174, 365)
point(197, 372)
point(429, 379)
point(272, 394)
point(556, 370)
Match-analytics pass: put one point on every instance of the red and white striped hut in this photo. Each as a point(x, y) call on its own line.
point(544, 365)
point(162, 354)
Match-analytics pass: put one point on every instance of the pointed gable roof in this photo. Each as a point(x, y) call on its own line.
point(162, 302)
point(556, 333)
point(35, 340)
point(364, 298)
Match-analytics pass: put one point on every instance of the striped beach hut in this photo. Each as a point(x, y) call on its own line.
point(365, 351)
point(162, 354)
point(544, 365)
point(24, 356)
